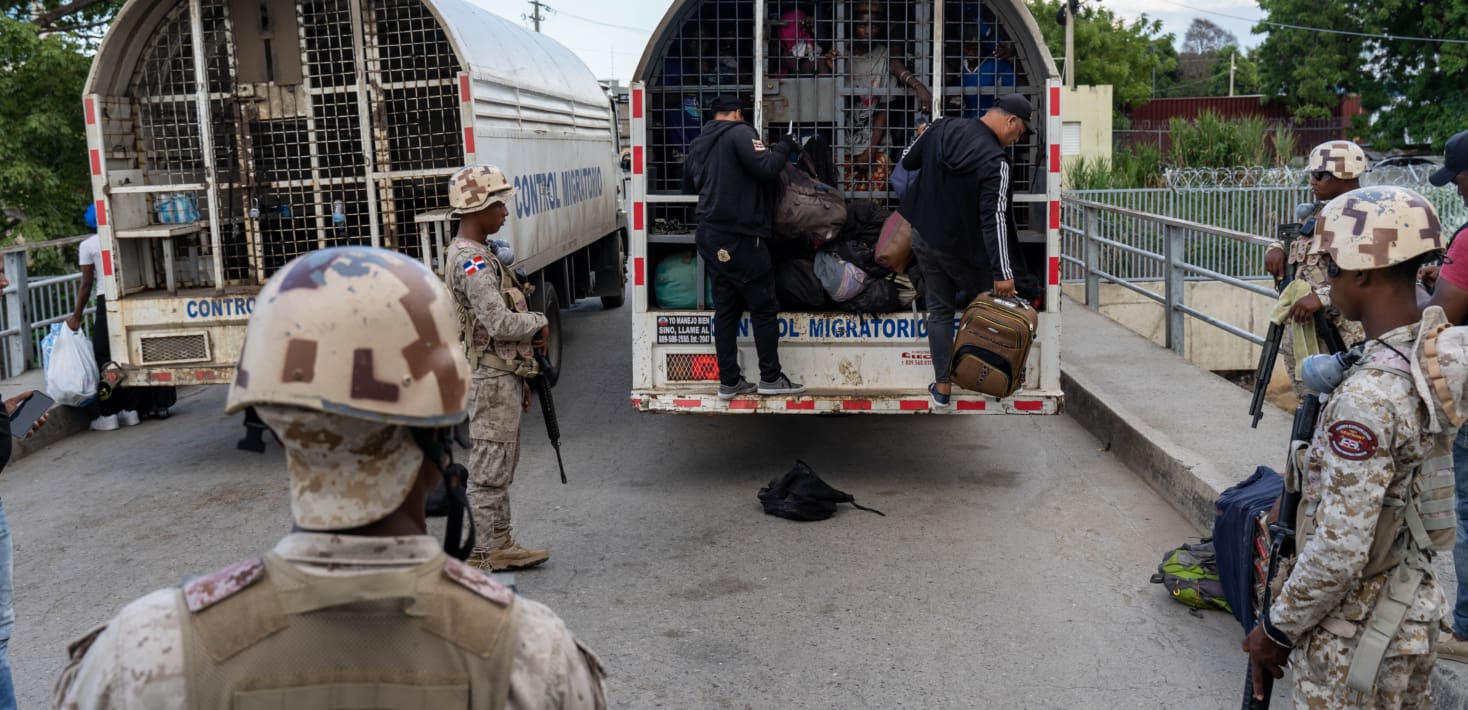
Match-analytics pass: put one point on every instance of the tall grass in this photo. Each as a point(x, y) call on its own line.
point(1136, 166)
point(1212, 142)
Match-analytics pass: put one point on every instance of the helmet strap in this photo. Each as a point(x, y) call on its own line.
point(451, 500)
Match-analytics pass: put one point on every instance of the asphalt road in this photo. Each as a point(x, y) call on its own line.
point(1010, 570)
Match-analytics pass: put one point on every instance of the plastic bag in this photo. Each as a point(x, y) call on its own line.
point(71, 368)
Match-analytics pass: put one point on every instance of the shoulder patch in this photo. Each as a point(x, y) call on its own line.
point(478, 582)
point(1352, 441)
point(201, 593)
point(475, 264)
point(759, 145)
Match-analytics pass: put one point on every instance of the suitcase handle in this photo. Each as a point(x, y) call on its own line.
point(1013, 303)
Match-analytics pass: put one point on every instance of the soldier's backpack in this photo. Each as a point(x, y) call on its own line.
point(1190, 575)
point(808, 209)
point(992, 344)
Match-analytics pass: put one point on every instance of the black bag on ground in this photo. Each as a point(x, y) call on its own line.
point(797, 288)
point(1235, 522)
point(801, 495)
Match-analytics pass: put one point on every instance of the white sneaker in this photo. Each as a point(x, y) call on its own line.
point(128, 417)
point(107, 423)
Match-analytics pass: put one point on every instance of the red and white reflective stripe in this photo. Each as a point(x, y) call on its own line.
point(101, 213)
point(107, 262)
point(637, 271)
point(1054, 271)
point(688, 403)
point(96, 161)
point(856, 405)
point(913, 405)
point(1055, 158)
point(91, 111)
point(1055, 101)
point(468, 139)
point(743, 404)
point(636, 160)
point(639, 209)
point(800, 404)
point(972, 405)
point(1055, 214)
point(465, 100)
point(464, 97)
point(637, 103)
point(1029, 405)
point(161, 376)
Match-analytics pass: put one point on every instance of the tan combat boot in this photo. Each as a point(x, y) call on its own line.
point(479, 559)
point(506, 554)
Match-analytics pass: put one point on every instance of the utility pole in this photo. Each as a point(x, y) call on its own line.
point(1070, 44)
point(535, 16)
point(1232, 65)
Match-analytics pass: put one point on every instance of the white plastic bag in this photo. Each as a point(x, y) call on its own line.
point(71, 368)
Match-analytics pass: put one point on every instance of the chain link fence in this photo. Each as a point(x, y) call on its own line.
point(1250, 200)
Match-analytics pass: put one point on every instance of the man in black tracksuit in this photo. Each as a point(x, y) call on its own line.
point(737, 178)
point(963, 246)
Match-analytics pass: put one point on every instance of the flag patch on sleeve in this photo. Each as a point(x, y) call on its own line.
point(475, 265)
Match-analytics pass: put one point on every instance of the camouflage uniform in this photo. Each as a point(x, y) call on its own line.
point(136, 662)
point(351, 351)
point(1346, 161)
point(496, 326)
point(1374, 433)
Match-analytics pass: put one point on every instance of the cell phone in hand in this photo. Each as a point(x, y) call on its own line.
point(28, 412)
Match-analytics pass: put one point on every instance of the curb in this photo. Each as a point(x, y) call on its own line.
point(61, 423)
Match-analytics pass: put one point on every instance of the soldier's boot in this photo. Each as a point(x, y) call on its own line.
point(479, 559)
point(506, 554)
point(1449, 646)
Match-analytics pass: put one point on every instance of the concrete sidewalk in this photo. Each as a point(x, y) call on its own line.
point(1184, 430)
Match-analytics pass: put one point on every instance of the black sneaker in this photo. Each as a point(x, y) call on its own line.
point(780, 385)
point(732, 391)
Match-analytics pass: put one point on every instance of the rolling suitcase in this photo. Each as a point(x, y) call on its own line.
point(992, 344)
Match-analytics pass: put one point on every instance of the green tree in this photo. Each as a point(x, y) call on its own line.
point(1412, 87)
point(1109, 50)
point(1245, 70)
point(44, 183)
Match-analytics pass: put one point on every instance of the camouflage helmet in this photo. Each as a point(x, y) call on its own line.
point(347, 347)
point(1376, 227)
point(1343, 159)
point(476, 187)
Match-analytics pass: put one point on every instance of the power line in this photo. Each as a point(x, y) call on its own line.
point(642, 30)
point(1323, 30)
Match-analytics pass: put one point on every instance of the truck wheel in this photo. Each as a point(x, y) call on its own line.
point(610, 302)
point(552, 309)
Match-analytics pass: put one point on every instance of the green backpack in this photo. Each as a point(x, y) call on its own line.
point(1190, 574)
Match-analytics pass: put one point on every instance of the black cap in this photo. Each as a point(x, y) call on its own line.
point(1455, 160)
point(724, 103)
point(1016, 105)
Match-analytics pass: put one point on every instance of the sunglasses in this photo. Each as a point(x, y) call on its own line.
point(1332, 270)
point(1320, 175)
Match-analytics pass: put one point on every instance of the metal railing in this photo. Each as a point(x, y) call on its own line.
point(33, 304)
point(1101, 240)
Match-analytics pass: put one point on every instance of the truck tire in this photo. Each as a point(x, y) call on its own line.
point(615, 301)
point(551, 307)
point(610, 302)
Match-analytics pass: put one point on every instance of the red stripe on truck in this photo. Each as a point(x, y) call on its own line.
point(1055, 214)
point(96, 162)
point(970, 405)
point(637, 271)
point(636, 160)
point(637, 216)
point(464, 97)
point(101, 213)
point(1054, 271)
point(798, 404)
point(637, 103)
point(856, 405)
point(1055, 158)
point(914, 405)
point(468, 139)
point(687, 402)
point(91, 111)
point(1029, 405)
point(107, 263)
point(743, 404)
point(1054, 101)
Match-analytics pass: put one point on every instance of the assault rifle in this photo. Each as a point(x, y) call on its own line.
point(541, 383)
point(1287, 234)
point(1282, 537)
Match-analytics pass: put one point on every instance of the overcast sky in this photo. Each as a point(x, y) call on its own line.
point(609, 35)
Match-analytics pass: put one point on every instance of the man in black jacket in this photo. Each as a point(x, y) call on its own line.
point(737, 178)
point(960, 158)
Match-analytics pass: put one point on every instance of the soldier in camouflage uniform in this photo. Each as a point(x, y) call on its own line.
point(352, 359)
point(500, 334)
point(1367, 457)
point(1335, 168)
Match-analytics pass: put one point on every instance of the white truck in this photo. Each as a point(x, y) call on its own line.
point(809, 65)
point(229, 136)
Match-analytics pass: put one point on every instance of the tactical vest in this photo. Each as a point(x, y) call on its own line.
point(432, 636)
point(1408, 532)
point(514, 357)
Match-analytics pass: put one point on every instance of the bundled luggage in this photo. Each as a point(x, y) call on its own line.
point(992, 344)
point(894, 246)
point(808, 209)
point(675, 282)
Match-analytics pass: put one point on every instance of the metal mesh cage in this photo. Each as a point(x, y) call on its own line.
point(162, 349)
point(692, 367)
